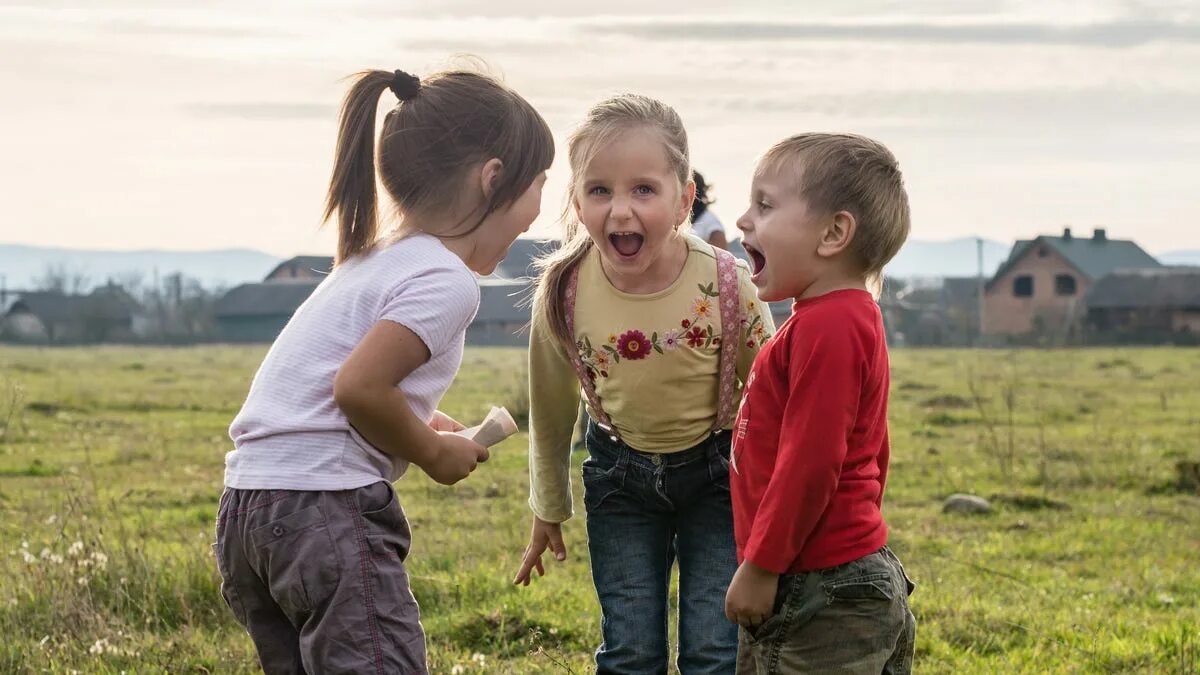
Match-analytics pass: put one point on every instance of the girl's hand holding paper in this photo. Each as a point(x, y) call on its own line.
point(497, 426)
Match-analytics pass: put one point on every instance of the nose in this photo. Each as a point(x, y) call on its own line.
point(621, 208)
point(743, 221)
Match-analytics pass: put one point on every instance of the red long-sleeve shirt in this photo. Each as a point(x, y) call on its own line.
point(810, 447)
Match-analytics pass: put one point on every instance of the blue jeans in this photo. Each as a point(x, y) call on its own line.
point(644, 511)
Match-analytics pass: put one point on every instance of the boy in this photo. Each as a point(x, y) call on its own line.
point(817, 589)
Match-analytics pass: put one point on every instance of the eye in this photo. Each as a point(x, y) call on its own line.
point(598, 190)
point(643, 190)
point(763, 206)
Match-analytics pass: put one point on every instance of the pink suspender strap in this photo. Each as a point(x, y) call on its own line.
point(731, 335)
point(585, 378)
point(731, 320)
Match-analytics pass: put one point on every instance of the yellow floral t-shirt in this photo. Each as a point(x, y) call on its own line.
point(654, 359)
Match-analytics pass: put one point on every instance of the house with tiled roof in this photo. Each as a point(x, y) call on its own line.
point(257, 312)
point(1149, 305)
point(1041, 289)
point(302, 268)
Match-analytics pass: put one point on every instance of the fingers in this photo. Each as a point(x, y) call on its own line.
point(483, 454)
point(557, 545)
point(531, 560)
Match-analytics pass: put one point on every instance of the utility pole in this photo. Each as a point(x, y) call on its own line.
point(979, 299)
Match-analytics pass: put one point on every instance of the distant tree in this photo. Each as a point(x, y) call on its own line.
point(60, 279)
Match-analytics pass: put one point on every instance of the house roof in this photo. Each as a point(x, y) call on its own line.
point(1162, 288)
point(47, 305)
point(518, 263)
point(1093, 256)
point(321, 264)
point(264, 299)
point(503, 300)
point(110, 302)
point(105, 302)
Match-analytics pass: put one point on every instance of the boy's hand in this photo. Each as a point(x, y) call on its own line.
point(751, 596)
point(544, 535)
point(454, 458)
point(443, 422)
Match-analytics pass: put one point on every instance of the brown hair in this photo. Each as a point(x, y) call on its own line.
point(846, 172)
point(603, 122)
point(445, 125)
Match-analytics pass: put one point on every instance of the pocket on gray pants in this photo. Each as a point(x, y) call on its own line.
point(301, 561)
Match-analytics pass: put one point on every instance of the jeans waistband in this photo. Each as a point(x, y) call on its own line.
point(600, 443)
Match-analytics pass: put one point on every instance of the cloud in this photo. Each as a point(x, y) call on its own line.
point(180, 30)
point(1117, 33)
point(263, 111)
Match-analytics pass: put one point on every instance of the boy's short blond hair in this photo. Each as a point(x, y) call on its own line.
point(846, 172)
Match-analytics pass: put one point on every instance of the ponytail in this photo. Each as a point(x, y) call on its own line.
point(352, 185)
point(444, 125)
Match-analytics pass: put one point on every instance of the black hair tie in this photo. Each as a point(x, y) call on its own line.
point(405, 86)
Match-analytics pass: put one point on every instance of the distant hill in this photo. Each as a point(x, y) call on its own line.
point(22, 266)
point(951, 258)
point(1184, 257)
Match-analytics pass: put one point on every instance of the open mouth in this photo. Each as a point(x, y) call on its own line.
point(758, 261)
point(626, 243)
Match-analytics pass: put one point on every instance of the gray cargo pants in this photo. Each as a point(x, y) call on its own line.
point(318, 579)
point(853, 619)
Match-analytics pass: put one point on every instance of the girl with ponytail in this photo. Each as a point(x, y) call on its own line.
point(311, 537)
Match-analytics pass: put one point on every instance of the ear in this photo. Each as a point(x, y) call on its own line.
point(687, 196)
point(489, 175)
point(837, 235)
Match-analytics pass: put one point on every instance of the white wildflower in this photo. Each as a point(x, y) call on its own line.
point(457, 670)
point(56, 559)
point(75, 549)
point(29, 558)
point(44, 554)
point(52, 519)
point(98, 646)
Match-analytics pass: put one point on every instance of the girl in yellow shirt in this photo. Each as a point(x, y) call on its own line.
point(655, 330)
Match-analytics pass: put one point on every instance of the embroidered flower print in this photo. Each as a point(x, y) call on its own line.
point(696, 331)
point(670, 339)
point(633, 345)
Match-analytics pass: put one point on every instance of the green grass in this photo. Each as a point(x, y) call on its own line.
point(111, 462)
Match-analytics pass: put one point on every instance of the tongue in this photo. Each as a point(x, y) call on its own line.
point(758, 260)
point(626, 244)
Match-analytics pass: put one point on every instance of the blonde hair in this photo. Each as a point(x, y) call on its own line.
point(846, 172)
point(604, 122)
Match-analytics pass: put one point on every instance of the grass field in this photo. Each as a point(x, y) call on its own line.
point(111, 463)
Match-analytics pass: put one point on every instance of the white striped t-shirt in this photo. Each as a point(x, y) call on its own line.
point(290, 433)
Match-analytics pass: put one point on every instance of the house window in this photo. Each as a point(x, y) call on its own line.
point(1023, 286)
point(1064, 284)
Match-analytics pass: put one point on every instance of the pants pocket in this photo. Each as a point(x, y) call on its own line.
point(870, 578)
point(599, 483)
point(776, 625)
point(301, 562)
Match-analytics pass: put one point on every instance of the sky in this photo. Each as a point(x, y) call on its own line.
point(191, 126)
